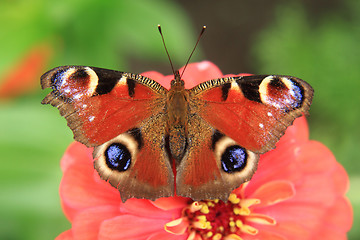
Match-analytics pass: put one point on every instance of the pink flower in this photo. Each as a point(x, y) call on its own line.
point(298, 192)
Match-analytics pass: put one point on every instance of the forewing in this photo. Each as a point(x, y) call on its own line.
point(99, 104)
point(253, 110)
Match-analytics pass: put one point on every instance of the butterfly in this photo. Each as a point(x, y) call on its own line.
point(151, 142)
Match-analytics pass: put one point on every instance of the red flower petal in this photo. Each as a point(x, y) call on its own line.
point(266, 235)
point(295, 135)
point(276, 166)
point(196, 73)
point(76, 153)
point(131, 227)
point(166, 236)
point(337, 220)
point(178, 226)
point(89, 189)
point(274, 192)
point(340, 179)
point(86, 224)
point(170, 203)
point(144, 208)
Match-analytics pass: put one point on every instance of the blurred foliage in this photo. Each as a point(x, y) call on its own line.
point(92, 32)
point(325, 53)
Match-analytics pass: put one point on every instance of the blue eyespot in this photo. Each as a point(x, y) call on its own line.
point(57, 80)
point(233, 159)
point(297, 94)
point(118, 157)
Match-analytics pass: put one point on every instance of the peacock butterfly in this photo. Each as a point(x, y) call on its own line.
point(206, 140)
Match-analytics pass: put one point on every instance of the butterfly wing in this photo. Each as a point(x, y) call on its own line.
point(253, 110)
point(233, 120)
point(136, 162)
point(99, 104)
point(201, 173)
point(121, 114)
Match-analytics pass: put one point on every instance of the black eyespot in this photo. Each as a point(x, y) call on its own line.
point(79, 74)
point(277, 83)
point(118, 157)
point(233, 159)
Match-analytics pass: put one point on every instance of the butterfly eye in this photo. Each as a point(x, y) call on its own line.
point(118, 157)
point(233, 159)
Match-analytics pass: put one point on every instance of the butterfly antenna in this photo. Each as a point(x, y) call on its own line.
point(197, 42)
point(162, 37)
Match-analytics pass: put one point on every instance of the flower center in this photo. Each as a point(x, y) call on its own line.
point(216, 220)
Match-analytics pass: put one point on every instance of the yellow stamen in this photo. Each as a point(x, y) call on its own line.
point(237, 210)
point(217, 236)
point(232, 224)
point(234, 199)
point(204, 209)
point(209, 234)
point(195, 206)
point(201, 218)
point(208, 225)
point(201, 222)
point(239, 223)
point(244, 211)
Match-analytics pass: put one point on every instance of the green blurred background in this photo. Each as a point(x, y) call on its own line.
point(315, 40)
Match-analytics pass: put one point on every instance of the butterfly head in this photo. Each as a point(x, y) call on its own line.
point(177, 82)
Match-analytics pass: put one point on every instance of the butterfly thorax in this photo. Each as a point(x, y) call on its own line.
point(177, 111)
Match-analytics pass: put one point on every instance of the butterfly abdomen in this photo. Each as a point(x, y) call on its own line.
point(177, 111)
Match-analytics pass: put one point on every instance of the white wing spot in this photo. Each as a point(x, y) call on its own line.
point(122, 80)
point(91, 118)
point(94, 80)
point(261, 125)
point(78, 96)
